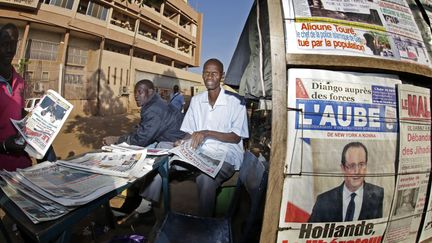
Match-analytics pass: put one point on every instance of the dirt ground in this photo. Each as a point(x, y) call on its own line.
point(84, 134)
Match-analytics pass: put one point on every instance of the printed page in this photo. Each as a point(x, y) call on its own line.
point(40, 127)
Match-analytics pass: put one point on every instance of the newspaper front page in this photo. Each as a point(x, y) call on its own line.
point(342, 131)
point(197, 157)
point(414, 166)
point(380, 29)
point(123, 164)
point(68, 186)
point(40, 126)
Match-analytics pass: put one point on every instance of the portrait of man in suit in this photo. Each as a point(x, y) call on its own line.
point(354, 199)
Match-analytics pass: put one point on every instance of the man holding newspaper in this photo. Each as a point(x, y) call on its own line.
point(215, 123)
point(12, 155)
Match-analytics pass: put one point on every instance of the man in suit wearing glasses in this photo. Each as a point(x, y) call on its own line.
point(354, 199)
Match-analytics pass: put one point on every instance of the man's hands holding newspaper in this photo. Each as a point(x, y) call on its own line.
point(197, 138)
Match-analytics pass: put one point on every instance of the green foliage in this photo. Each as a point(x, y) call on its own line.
point(22, 65)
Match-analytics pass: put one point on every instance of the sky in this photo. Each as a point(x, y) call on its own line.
point(223, 22)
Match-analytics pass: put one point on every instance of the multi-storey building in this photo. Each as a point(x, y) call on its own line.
point(93, 52)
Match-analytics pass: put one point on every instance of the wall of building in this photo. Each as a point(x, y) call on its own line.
point(95, 63)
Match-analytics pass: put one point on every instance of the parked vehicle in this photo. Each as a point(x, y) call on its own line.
point(31, 103)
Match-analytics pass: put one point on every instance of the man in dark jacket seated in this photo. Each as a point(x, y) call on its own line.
point(159, 126)
point(160, 122)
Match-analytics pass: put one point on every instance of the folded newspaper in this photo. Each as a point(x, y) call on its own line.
point(123, 164)
point(67, 186)
point(124, 147)
point(208, 164)
point(40, 126)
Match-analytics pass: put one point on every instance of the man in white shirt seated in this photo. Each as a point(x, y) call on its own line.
point(216, 121)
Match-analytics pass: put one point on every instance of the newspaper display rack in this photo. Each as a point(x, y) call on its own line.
point(328, 111)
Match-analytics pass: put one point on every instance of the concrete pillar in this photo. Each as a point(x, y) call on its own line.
point(24, 41)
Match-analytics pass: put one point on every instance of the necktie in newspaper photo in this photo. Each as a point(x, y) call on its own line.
point(350, 210)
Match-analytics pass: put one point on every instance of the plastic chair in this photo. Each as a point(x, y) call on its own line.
point(179, 228)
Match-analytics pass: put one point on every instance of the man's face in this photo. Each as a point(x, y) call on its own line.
point(142, 95)
point(8, 46)
point(212, 75)
point(355, 168)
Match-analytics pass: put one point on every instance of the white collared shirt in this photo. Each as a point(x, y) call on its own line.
point(227, 115)
point(358, 200)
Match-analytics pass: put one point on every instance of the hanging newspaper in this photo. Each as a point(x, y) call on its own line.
point(68, 186)
point(197, 157)
point(414, 165)
point(123, 164)
point(36, 207)
point(342, 134)
point(381, 29)
point(40, 127)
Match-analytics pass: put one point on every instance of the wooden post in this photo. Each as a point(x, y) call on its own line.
point(279, 123)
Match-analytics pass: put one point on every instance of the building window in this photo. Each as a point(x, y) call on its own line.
point(77, 56)
point(115, 75)
point(74, 79)
point(121, 76)
point(43, 50)
point(127, 77)
point(60, 3)
point(93, 9)
point(45, 75)
point(109, 73)
point(28, 76)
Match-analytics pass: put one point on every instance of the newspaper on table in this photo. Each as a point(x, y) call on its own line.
point(41, 125)
point(67, 186)
point(124, 147)
point(328, 112)
point(36, 207)
point(198, 158)
point(382, 29)
point(414, 166)
point(123, 164)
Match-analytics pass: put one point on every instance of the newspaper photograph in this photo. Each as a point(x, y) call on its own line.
point(40, 126)
point(341, 154)
point(35, 207)
point(68, 186)
point(122, 164)
point(414, 164)
point(379, 29)
point(198, 158)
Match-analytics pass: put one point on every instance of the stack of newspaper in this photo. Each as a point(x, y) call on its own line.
point(124, 147)
point(49, 190)
point(130, 164)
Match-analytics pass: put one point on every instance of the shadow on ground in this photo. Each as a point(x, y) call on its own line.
point(83, 134)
